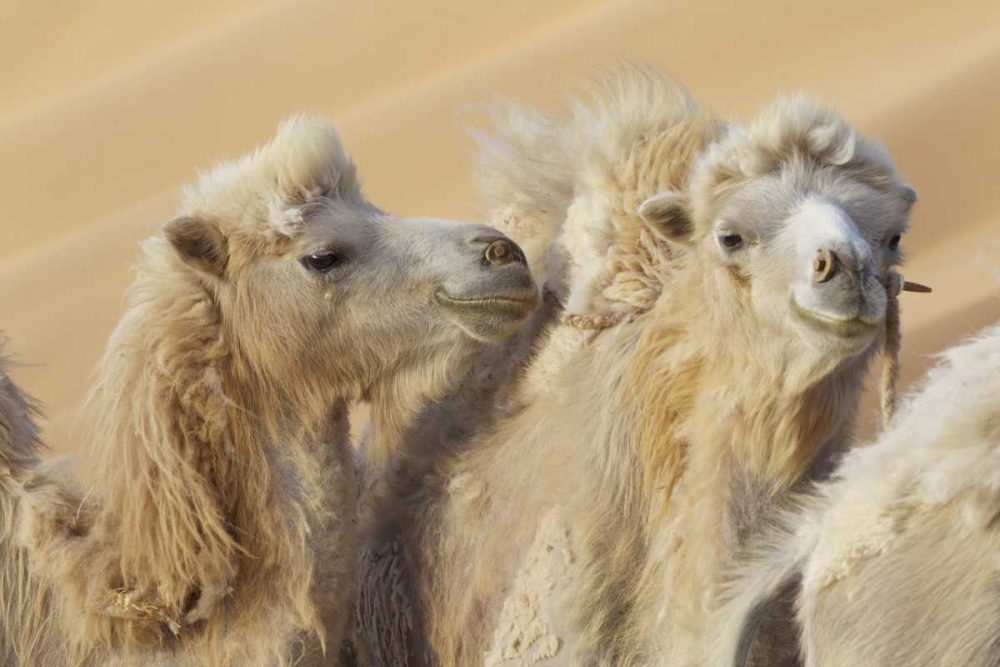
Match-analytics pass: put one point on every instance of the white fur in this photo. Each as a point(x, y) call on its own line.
point(898, 552)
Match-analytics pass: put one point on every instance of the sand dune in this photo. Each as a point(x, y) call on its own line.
point(106, 108)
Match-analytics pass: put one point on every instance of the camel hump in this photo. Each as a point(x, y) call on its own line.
point(531, 165)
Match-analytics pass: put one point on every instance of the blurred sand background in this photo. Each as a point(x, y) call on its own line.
point(108, 106)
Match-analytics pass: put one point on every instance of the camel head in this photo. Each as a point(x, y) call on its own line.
point(314, 283)
point(798, 221)
point(276, 295)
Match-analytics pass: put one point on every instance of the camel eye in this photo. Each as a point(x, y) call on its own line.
point(322, 262)
point(894, 242)
point(730, 241)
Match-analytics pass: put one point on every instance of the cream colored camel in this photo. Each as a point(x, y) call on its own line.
point(723, 291)
point(215, 523)
point(894, 561)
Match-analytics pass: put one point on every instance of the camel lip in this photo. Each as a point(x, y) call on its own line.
point(854, 326)
point(517, 306)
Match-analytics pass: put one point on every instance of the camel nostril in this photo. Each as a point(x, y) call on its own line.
point(501, 252)
point(824, 266)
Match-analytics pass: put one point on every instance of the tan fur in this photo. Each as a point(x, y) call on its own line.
point(215, 522)
point(645, 438)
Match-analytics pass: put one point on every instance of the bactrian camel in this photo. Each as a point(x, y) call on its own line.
point(215, 518)
point(721, 292)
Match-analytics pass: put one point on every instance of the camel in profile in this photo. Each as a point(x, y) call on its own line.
point(894, 560)
point(215, 522)
point(722, 291)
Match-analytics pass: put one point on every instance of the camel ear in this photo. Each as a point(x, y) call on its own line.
point(667, 213)
point(199, 243)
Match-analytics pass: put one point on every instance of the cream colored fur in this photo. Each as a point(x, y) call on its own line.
point(646, 453)
point(897, 555)
point(215, 522)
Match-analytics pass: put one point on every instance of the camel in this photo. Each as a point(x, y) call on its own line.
point(894, 559)
point(715, 295)
point(215, 519)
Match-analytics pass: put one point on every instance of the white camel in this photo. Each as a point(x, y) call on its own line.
point(215, 522)
point(723, 290)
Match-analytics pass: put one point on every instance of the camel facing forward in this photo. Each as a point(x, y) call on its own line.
point(215, 521)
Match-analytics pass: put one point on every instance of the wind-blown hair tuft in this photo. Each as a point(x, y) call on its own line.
point(19, 441)
point(609, 146)
point(263, 191)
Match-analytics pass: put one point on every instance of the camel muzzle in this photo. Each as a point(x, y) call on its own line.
point(496, 296)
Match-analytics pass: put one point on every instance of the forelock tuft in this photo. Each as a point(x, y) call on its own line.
point(265, 191)
point(798, 125)
point(794, 130)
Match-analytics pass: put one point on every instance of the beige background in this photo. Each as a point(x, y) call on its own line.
point(108, 106)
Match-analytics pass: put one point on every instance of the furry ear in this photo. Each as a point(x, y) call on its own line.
point(667, 213)
point(199, 243)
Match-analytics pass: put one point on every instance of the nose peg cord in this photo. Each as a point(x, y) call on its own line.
point(894, 286)
point(890, 347)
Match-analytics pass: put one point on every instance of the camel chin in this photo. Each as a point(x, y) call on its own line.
point(846, 334)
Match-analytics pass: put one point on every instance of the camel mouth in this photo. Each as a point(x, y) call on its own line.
point(849, 327)
point(488, 316)
point(518, 306)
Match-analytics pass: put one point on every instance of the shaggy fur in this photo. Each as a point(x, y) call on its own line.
point(633, 452)
point(23, 604)
point(896, 555)
point(216, 521)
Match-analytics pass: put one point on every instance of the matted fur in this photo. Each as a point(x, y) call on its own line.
point(646, 441)
point(896, 554)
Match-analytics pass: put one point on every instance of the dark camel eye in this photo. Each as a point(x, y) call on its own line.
point(894, 242)
point(730, 241)
point(321, 262)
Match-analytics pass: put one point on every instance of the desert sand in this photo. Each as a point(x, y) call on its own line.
point(108, 107)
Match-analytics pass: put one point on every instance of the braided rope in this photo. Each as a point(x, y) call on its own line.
point(591, 322)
